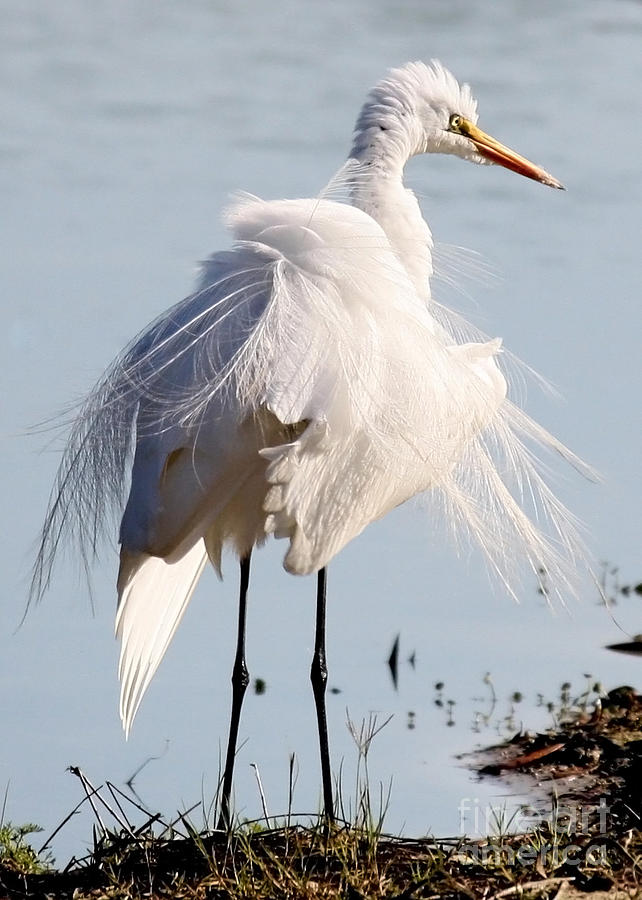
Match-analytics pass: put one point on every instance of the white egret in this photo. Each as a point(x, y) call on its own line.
point(309, 386)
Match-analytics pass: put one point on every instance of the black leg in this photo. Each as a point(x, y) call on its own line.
point(240, 680)
point(319, 678)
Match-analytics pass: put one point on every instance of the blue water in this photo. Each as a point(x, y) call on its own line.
point(126, 127)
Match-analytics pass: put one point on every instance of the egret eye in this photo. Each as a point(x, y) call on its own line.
point(455, 123)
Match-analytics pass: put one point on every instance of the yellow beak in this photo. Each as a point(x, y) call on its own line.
point(497, 153)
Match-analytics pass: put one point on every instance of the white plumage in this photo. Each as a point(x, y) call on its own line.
point(308, 387)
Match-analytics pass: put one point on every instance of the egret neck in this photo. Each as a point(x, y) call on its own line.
point(385, 138)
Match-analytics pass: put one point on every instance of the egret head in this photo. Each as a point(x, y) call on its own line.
point(421, 108)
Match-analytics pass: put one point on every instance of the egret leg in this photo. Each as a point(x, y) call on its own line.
point(319, 678)
point(240, 681)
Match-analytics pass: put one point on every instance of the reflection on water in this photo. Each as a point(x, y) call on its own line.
point(126, 127)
